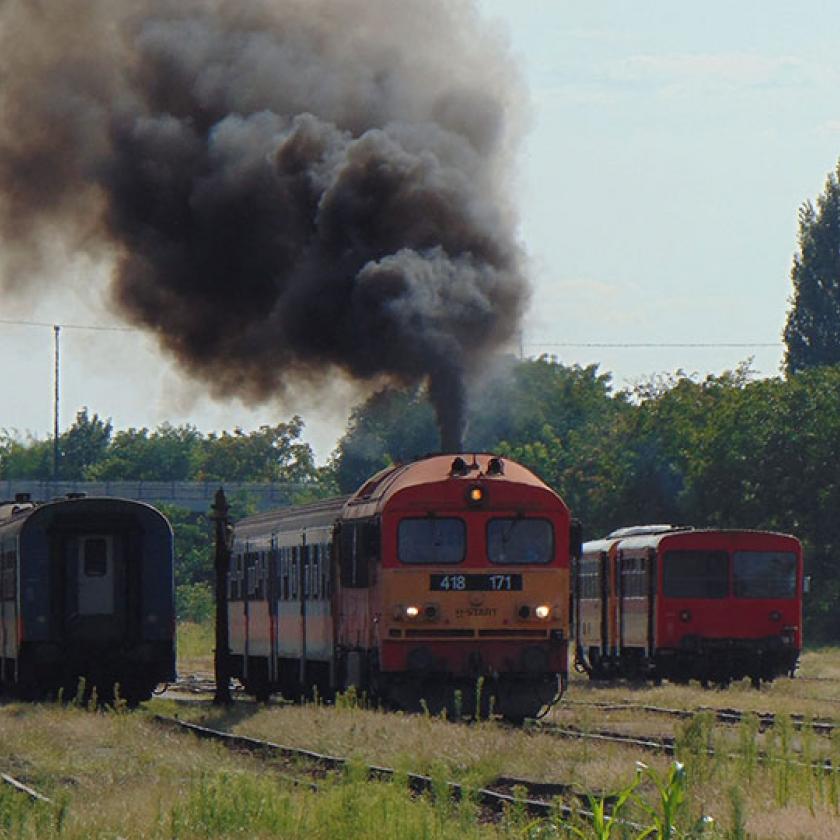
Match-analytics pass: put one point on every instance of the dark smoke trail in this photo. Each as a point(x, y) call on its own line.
point(290, 188)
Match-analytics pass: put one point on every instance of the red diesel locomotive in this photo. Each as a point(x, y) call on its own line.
point(444, 581)
point(684, 603)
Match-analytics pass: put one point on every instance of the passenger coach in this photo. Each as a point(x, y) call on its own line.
point(449, 574)
point(684, 603)
point(86, 590)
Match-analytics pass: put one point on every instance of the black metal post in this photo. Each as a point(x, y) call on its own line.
point(221, 660)
point(56, 450)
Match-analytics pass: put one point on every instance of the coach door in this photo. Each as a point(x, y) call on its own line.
point(637, 582)
point(95, 606)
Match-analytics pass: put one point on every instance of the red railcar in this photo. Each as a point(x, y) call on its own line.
point(684, 603)
point(440, 576)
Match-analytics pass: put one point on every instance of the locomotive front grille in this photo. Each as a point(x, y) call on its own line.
point(514, 633)
point(432, 633)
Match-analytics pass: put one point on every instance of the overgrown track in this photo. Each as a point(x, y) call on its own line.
point(495, 799)
point(766, 720)
point(660, 744)
point(652, 743)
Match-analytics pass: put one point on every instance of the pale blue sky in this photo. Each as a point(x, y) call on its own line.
point(669, 147)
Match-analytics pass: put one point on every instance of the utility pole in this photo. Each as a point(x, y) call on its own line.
point(221, 660)
point(56, 331)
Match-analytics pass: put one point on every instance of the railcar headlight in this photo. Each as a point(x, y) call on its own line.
point(412, 612)
point(475, 494)
point(542, 611)
point(430, 612)
point(524, 611)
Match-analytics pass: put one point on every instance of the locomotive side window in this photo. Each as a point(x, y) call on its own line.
point(695, 574)
point(432, 541)
point(519, 541)
point(764, 574)
point(359, 542)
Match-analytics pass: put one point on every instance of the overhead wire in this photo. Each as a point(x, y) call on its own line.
point(527, 344)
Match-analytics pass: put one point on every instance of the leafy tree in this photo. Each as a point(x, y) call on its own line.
point(535, 403)
point(519, 401)
point(31, 459)
point(812, 332)
point(272, 453)
point(169, 453)
point(391, 426)
point(83, 445)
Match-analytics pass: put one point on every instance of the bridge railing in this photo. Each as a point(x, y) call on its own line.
point(192, 495)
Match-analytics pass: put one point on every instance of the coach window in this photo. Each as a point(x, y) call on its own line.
point(432, 540)
point(96, 557)
point(316, 572)
point(695, 574)
point(325, 571)
point(590, 578)
point(293, 574)
point(8, 580)
point(234, 578)
point(519, 541)
point(260, 569)
point(764, 574)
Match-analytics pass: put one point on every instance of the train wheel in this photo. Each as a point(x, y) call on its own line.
point(256, 683)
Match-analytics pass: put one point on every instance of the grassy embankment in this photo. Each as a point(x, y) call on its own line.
point(777, 798)
point(118, 775)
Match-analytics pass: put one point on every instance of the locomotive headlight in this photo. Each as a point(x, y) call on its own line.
point(542, 611)
point(412, 612)
point(398, 612)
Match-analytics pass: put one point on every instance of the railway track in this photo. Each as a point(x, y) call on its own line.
point(203, 685)
point(664, 745)
point(766, 720)
point(536, 798)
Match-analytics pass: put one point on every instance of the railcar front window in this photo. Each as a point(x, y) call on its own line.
point(518, 541)
point(695, 574)
point(432, 541)
point(764, 574)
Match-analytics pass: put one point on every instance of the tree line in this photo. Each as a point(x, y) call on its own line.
point(727, 451)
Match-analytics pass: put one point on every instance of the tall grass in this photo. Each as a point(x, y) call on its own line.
point(196, 643)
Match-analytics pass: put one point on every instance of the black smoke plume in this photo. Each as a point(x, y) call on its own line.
point(287, 189)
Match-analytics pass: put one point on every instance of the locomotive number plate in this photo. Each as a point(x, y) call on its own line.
point(475, 583)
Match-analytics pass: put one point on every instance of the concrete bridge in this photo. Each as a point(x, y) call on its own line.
point(196, 496)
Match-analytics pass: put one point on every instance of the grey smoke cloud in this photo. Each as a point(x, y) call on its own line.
point(290, 188)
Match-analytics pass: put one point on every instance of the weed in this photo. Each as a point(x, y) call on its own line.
point(737, 829)
point(747, 746)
